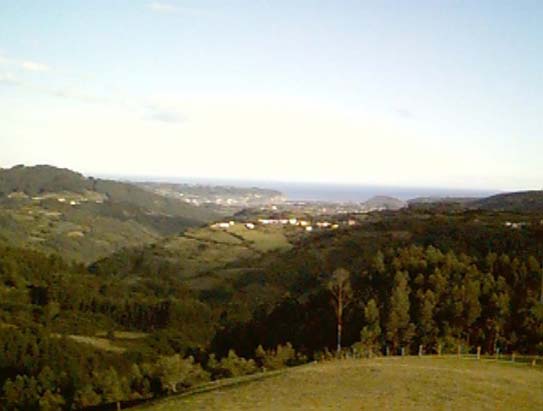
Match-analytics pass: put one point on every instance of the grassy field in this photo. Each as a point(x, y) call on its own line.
point(409, 383)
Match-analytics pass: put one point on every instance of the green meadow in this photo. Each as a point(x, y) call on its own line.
point(392, 383)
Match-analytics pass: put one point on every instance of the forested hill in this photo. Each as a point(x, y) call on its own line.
point(517, 202)
point(46, 181)
point(41, 179)
point(523, 201)
point(58, 210)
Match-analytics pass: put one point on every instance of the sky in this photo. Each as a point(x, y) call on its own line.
point(402, 93)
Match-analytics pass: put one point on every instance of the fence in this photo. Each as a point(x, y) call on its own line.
point(460, 352)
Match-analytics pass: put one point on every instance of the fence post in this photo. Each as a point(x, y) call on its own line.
point(479, 352)
point(439, 350)
point(387, 351)
point(403, 351)
point(533, 362)
point(513, 357)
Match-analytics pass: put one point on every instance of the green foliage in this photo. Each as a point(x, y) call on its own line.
point(86, 397)
point(175, 372)
point(399, 330)
point(371, 332)
point(230, 366)
point(282, 356)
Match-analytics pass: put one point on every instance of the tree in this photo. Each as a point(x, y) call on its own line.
point(22, 393)
point(340, 288)
point(86, 397)
point(427, 328)
point(399, 330)
point(369, 336)
point(51, 401)
point(174, 372)
point(260, 355)
point(112, 389)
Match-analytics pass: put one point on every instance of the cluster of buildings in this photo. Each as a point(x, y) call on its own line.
point(295, 222)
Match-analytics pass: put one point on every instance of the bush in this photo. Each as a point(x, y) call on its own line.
point(325, 355)
point(175, 372)
point(230, 366)
point(282, 356)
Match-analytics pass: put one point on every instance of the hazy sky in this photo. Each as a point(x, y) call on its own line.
point(416, 93)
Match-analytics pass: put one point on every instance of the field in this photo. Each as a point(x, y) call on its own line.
point(397, 383)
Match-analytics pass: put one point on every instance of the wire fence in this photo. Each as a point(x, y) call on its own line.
point(460, 353)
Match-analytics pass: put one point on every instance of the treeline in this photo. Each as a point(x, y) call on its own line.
point(43, 372)
point(408, 297)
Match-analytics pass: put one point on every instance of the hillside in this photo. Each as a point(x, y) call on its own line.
point(58, 210)
point(516, 202)
point(45, 181)
point(208, 261)
point(523, 201)
point(222, 196)
point(384, 203)
point(380, 384)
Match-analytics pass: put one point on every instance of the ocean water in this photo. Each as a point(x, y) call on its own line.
point(325, 191)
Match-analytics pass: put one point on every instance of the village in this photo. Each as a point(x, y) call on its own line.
point(304, 224)
point(215, 195)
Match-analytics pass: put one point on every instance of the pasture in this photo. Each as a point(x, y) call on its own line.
point(391, 383)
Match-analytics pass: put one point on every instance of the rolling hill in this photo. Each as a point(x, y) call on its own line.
point(522, 201)
point(58, 210)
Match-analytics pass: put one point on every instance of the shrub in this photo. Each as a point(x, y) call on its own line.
point(175, 372)
point(230, 366)
point(282, 356)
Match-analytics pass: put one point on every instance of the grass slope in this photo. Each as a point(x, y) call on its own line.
point(388, 383)
point(200, 256)
point(60, 211)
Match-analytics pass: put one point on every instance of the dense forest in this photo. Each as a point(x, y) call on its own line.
point(75, 336)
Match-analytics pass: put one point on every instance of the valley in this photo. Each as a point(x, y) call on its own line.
point(152, 296)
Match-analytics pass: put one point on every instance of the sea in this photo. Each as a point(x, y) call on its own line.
point(325, 192)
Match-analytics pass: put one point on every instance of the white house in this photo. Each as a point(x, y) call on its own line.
point(221, 225)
